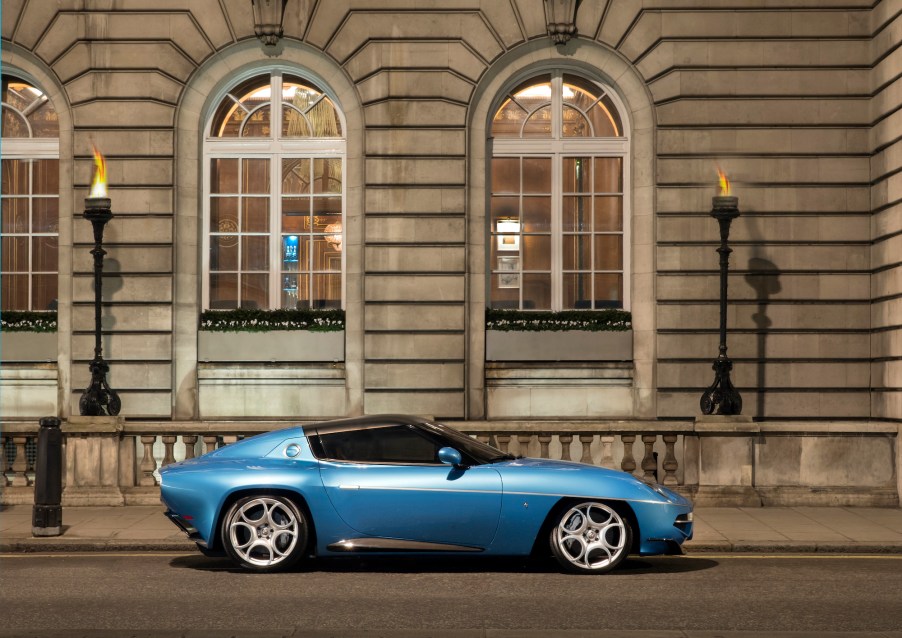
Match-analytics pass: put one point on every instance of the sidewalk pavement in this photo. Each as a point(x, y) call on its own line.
point(717, 529)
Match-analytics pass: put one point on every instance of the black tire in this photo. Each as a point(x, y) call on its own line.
point(265, 533)
point(590, 537)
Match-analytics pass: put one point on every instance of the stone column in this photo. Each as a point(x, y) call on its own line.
point(92, 460)
point(726, 461)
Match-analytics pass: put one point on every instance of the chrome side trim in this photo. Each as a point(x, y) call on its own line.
point(552, 494)
point(395, 545)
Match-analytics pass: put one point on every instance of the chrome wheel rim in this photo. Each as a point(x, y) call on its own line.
point(591, 536)
point(264, 531)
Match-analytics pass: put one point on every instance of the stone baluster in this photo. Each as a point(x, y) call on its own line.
point(649, 465)
point(229, 438)
point(169, 447)
point(607, 450)
point(148, 463)
point(4, 463)
point(190, 440)
point(483, 438)
point(210, 442)
point(524, 440)
point(19, 468)
point(628, 463)
point(670, 464)
point(565, 440)
point(503, 441)
point(544, 442)
point(586, 440)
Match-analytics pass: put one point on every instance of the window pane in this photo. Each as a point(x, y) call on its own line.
point(224, 252)
point(536, 291)
point(577, 213)
point(295, 253)
point(327, 176)
point(577, 291)
point(255, 253)
point(577, 252)
point(579, 92)
point(223, 291)
point(608, 252)
point(224, 176)
point(45, 215)
point(255, 176)
point(294, 124)
point(605, 119)
point(326, 291)
point(504, 208)
point(14, 292)
point(43, 292)
point(395, 444)
point(608, 175)
point(255, 216)
point(44, 121)
point(608, 213)
point(575, 124)
point(44, 254)
point(295, 176)
point(254, 291)
point(537, 175)
point(295, 291)
point(229, 115)
point(577, 177)
point(257, 123)
point(295, 214)
point(325, 209)
point(15, 215)
point(15, 177)
point(46, 177)
point(506, 175)
point(505, 291)
point(326, 255)
point(330, 224)
point(539, 123)
point(537, 214)
point(508, 120)
point(324, 119)
point(13, 125)
point(224, 214)
point(537, 252)
point(608, 290)
point(14, 254)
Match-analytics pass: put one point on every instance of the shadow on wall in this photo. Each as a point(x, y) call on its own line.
point(764, 278)
point(112, 283)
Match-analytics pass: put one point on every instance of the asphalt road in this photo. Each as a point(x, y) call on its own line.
point(187, 592)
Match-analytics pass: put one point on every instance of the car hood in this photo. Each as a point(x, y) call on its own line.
point(546, 476)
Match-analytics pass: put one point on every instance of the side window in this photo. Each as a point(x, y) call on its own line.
point(390, 444)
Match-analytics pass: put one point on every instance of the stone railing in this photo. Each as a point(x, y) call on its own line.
point(111, 461)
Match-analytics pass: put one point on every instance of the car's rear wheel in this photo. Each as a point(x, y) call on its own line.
point(591, 538)
point(265, 532)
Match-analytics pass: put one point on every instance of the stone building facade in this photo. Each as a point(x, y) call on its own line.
point(800, 103)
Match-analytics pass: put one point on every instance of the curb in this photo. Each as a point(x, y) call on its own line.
point(793, 547)
point(34, 545)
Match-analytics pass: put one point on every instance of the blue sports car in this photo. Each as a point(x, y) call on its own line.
point(397, 484)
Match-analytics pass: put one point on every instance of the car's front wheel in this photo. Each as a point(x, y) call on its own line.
point(591, 538)
point(265, 533)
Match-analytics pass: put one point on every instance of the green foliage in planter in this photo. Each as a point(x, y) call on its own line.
point(535, 321)
point(244, 320)
point(28, 321)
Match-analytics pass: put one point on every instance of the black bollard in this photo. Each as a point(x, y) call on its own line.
point(47, 515)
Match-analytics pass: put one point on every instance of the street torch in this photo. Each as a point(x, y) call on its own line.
point(721, 397)
point(98, 399)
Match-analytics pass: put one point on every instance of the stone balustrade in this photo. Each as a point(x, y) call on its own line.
point(729, 461)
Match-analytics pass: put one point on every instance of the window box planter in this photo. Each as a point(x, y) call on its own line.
point(570, 345)
point(28, 346)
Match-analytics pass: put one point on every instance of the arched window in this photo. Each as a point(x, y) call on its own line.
point(558, 203)
point(29, 229)
point(274, 204)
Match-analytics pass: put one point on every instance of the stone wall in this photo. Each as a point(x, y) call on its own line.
point(798, 101)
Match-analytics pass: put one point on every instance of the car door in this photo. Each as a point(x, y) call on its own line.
point(386, 481)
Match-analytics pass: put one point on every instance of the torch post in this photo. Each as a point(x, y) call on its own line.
point(98, 399)
point(721, 397)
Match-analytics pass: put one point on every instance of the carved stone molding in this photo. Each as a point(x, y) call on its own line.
point(560, 19)
point(268, 15)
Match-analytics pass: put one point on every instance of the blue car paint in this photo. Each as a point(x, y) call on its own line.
point(499, 507)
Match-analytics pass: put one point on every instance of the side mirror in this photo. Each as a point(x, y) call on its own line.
point(450, 456)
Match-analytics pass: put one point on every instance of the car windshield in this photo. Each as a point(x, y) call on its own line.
point(480, 452)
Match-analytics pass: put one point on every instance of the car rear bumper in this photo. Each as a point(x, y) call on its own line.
point(186, 527)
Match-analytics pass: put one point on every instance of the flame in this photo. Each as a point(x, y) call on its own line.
point(98, 186)
point(724, 182)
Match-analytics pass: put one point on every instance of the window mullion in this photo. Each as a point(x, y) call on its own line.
point(557, 238)
point(275, 231)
